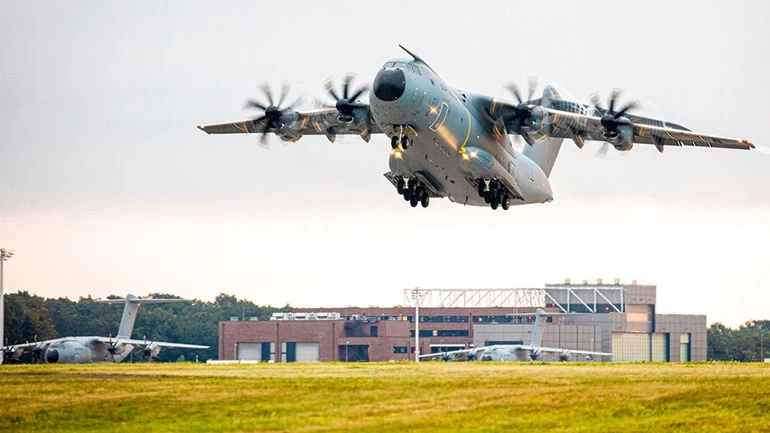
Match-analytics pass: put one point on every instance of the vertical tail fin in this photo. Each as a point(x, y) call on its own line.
point(129, 311)
point(544, 153)
point(537, 332)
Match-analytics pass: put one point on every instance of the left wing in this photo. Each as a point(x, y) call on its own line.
point(145, 343)
point(563, 124)
point(579, 352)
point(551, 116)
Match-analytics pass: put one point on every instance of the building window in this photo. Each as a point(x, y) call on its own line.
point(452, 333)
point(399, 349)
point(374, 331)
point(424, 333)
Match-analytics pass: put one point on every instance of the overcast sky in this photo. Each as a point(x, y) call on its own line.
point(107, 187)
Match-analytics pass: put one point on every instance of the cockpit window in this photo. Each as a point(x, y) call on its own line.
point(400, 65)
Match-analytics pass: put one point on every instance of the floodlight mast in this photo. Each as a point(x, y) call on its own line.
point(4, 255)
point(417, 297)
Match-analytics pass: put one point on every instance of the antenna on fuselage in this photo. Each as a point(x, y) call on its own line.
point(417, 58)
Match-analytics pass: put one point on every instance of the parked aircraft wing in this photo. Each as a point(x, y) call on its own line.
point(319, 122)
point(17, 347)
point(578, 352)
point(440, 355)
point(143, 343)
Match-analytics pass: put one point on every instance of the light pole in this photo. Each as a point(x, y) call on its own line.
point(4, 255)
point(346, 350)
point(417, 297)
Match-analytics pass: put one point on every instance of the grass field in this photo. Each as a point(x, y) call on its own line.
point(476, 397)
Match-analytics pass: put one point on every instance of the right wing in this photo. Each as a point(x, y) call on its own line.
point(321, 122)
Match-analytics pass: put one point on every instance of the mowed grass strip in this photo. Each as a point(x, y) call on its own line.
point(476, 397)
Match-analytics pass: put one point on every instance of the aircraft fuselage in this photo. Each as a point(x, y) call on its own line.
point(451, 143)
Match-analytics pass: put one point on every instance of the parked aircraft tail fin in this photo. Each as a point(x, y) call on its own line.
point(537, 331)
point(129, 311)
point(544, 152)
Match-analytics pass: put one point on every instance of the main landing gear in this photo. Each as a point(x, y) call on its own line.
point(495, 194)
point(401, 139)
point(413, 191)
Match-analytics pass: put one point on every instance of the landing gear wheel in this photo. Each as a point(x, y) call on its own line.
point(494, 204)
point(413, 201)
point(394, 142)
point(401, 186)
point(425, 200)
point(506, 202)
point(482, 188)
point(405, 142)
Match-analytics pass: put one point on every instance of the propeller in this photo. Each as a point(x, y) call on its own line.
point(272, 112)
point(112, 349)
point(612, 119)
point(522, 112)
point(345, 103)
point(534, 355)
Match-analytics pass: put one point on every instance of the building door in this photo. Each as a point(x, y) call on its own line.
point(249, 351)
point(307, 352)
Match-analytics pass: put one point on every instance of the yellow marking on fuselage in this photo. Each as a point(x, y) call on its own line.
point(468, 135)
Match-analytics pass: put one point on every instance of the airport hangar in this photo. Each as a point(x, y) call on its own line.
point(617, 318)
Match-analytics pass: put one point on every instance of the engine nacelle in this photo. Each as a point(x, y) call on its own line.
point(287, 133)
point(291, 128)
point(621, 138)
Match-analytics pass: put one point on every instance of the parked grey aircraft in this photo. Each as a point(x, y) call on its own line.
point(84, 350)
point(452, 143)
point(516, 352)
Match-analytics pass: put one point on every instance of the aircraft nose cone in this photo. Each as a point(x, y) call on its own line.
point(52, 356)
point(389, 84)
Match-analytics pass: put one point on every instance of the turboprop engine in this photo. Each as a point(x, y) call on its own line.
point(618, 129)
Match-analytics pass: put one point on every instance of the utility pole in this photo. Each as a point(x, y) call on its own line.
point(4, 255)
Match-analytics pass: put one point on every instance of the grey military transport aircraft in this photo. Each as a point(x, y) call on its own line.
point(451, 143)
point(85, 350)
point(516, 352)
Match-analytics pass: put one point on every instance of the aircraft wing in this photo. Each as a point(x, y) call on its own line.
point(439, 355)
point(320, 122)
point(578, 352)
point(564, 124)
point(563, 119)
point(18, 347)
point(143, 343)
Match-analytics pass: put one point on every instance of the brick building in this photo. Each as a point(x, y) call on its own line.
point(610, 318)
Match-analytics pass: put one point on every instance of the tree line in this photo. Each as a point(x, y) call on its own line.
point(748, 343)
point(31, 318)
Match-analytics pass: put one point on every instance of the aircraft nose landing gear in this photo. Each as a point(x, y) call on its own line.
point(401, 138)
